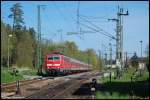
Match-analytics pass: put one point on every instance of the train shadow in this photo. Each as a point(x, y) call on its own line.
point(137, 88)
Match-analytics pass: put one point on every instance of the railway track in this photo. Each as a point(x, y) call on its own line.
point(26, 87)
point(58, 87)
point(21, 83)
point(63, 90)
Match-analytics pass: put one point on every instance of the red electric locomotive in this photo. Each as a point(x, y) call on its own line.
point(57, 63)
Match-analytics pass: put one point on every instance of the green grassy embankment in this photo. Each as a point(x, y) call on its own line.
point(123, 88)
point(7, 76)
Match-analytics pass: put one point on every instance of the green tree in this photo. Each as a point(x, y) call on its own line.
point(17, 14)
point(134, 60)
point(4, 44)
point(6, 30)
point(70, 48)
point(25, 50)
point(32, 34)
point(92, 58)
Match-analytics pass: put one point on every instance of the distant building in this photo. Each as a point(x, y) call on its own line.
point(127, 63)
point(140, 60)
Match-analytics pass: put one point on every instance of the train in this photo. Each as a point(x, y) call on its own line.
point(57, 63)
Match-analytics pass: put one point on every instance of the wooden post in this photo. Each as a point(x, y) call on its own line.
point(18, 87)
point(110, 77)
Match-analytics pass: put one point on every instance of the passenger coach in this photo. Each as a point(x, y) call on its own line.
point(59, 64)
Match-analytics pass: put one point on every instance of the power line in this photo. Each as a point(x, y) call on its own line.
point(91, 17)
point(52, 25)
point(94, 25)
point(61, 14)
point(105, 33)
point(78, 19)
point(99, 31)
point(66, 8)
point(78, 24)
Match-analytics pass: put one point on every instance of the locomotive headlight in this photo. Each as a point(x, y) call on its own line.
point(56, 64)
point(53, 64)
point(49, 64)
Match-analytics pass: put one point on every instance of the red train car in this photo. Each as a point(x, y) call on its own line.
point(58, 63)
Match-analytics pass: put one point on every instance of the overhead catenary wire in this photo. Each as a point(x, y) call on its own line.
point(78, 24)
point(91, 17)
point(96, 30)
point(66, 8)
point(52, 26)
point(105, 33)
point(78, 20)
point(62, 15)
point(64, 18)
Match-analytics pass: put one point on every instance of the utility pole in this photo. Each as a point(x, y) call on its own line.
point(99, 58)
point(110, 59)
point(141, 48)
point(8, 59)
point(120, 15)
point(126, 63)
point(102, 55)
point(78, 21)
point(105, 59)
point(119, 35)
point(119, 39)
point(61, 36)
point(39, 55)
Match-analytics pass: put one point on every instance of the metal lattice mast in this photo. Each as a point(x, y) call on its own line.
point(39, 54)
point(110, 59)
point(39, 38)
point(119, 35)
point(120, 16)
point(99, 58)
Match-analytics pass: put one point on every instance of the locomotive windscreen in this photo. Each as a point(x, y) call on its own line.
point(53, 58)
point(56, 58)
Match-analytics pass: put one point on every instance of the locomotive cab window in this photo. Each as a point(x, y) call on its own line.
point(50, 58)
point(56, 58)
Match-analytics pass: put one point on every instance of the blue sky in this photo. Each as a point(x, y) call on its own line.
point(63, 15)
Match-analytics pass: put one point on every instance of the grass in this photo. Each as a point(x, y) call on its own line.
point(123, 88)
point(7, 77)
point(108, 95)
point(29, 72)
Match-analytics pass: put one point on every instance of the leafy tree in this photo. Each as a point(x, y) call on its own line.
point(25, 50)
point(32, 34)
point(6, 30)
point(4, 44)
point(70, 48)
point(92, 59)
point(17, 14)
point(134, 60)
